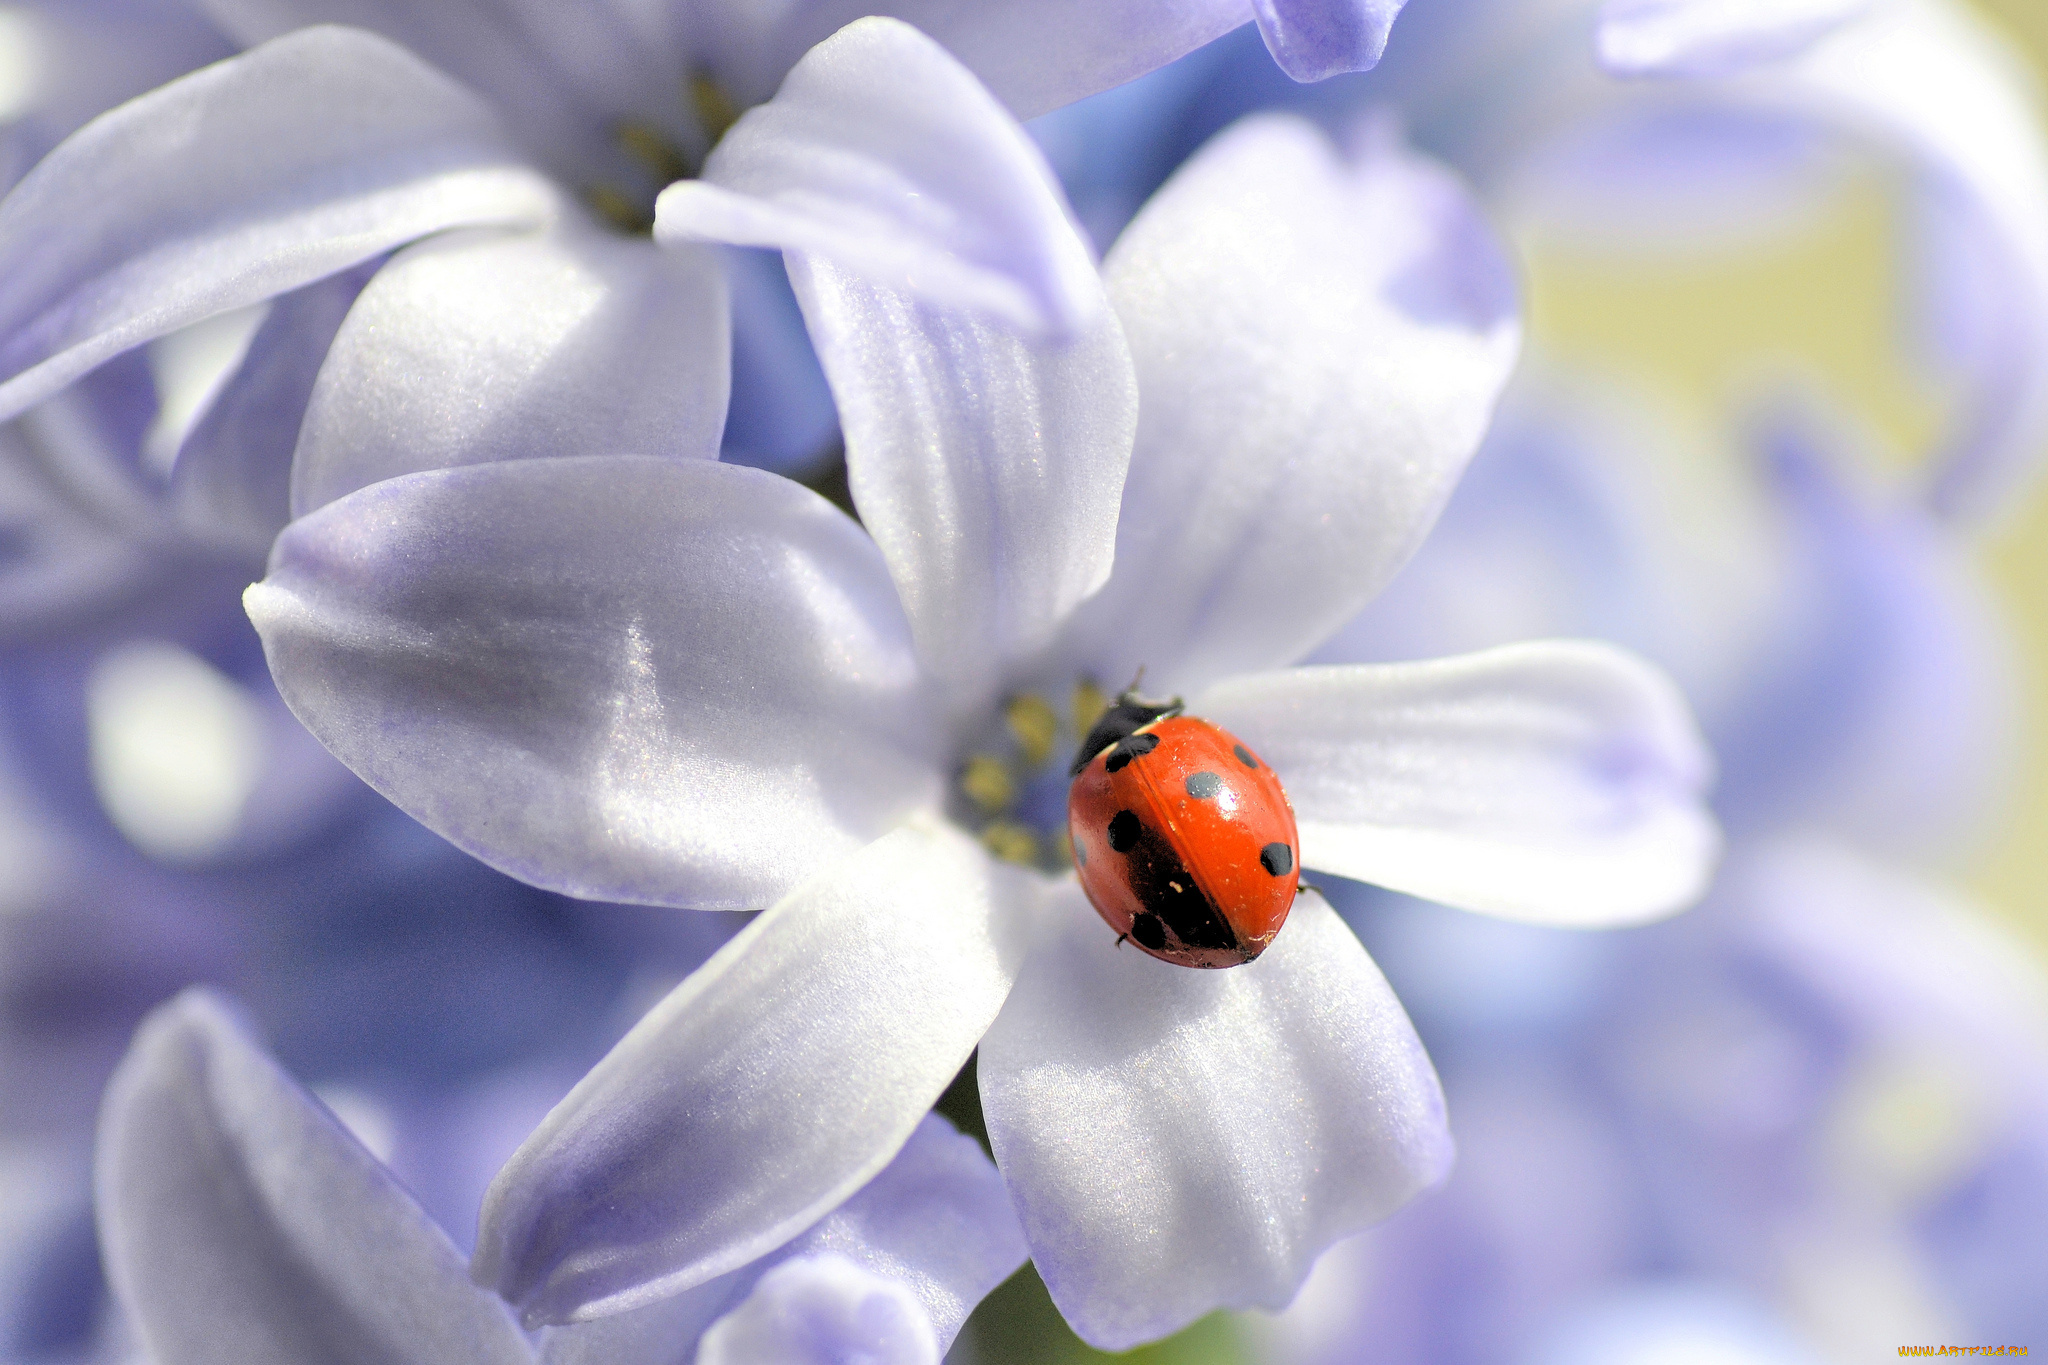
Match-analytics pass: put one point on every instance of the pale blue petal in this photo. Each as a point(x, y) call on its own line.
point(1316, 39)
point(232, 482)
point(937, 1223)
point(1558, 782)
point(1179, 1141)
point(505, 346)
point(562, 77)
point(636, 679)
point(987, 466)
point(240, 1222)
point(236, 183)
point(1319, 339)
point(772, 1084)
point(885, 156)
point(1036, 55)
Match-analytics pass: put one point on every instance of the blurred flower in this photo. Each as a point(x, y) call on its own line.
point(1641, 127)
point(239, 1218)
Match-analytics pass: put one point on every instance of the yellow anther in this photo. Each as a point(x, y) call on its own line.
point(1089, 704)
point(987, 781)
point(652, 148)
point(1035, 724)
point(618, 210)
point(715, 110)
point(1011, 842)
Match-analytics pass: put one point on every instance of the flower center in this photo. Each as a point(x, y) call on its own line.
point(1010, 790)
point(630, 208)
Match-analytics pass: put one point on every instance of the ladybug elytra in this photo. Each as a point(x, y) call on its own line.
point(1183, 838)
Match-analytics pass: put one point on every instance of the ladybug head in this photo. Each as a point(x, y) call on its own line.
point(1130, 714)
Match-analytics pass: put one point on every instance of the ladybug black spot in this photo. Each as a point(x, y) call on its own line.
point(1149, 932)
point(1202, 786)
point(1277, 858)
point(1123, 832)
point(1128, 748)
point(1244, 756)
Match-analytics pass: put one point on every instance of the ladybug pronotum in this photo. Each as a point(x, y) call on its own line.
point(1183, 838)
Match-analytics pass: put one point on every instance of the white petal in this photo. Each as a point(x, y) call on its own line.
point(240, 1222)
point(244, 180)
point(936, 1222)
point(768, 1087)
point(1319, 342)
point(1560, 782)
point(987, 467)
point(822, 1310)
point(1179, 1140)
point(1712, 37)
point(633, 679)
point(884, 155)
point(501, 346)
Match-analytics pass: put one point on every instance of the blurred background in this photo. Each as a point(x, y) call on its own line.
point(1825, 300)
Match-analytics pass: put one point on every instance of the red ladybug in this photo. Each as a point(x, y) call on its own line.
point(1184, 840)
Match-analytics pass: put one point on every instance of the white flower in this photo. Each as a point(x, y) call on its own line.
point(695, 684)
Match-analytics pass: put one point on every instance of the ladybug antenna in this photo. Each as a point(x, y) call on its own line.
point(1137, 681)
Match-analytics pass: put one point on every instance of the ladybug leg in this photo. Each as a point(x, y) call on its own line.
point(1120, 939)
point(1300, 887)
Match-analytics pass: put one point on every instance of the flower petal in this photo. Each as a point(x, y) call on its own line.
point(886, 156)
point(240, 1222)
point(1316, 39)
point(1560, 781)
point(506, 346)
point(564, 78)
point(987, 467)
point(244, 180)
point(1712, 37)
point(1319, 342)
point(936, 1223)
point(1178, 1141)
point(1036, 55)
point(632, 679)
point(774, 1082)
point(822, 1309)
point(232, 482)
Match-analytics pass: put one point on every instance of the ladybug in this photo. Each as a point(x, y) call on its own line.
point(1183, 838)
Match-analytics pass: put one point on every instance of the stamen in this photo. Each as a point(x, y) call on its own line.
point(716, 111)
point(1035, 725)
point(988, 783)
point(1011, 842)
point(649, 146)
point(1089, 703)
point(618, 209)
